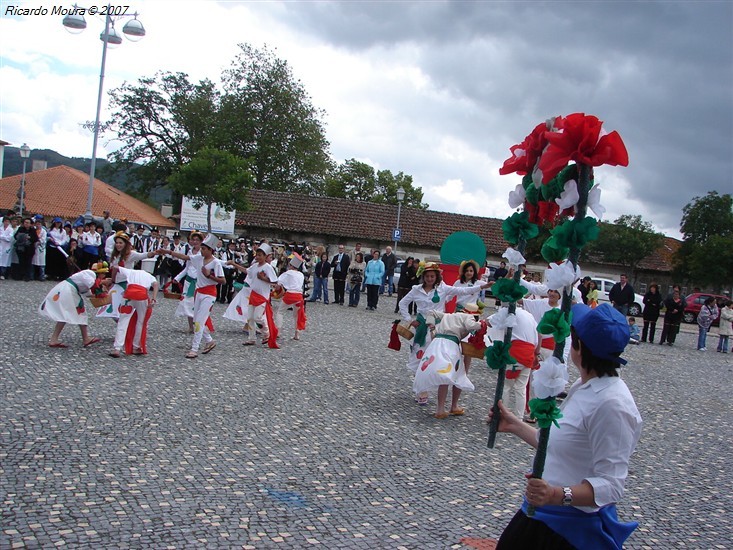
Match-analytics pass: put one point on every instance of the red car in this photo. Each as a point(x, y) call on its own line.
point(695, 302)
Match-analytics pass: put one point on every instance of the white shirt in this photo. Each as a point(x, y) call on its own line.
point(197, 262)
point(257, 285)
point(109, 246)
point(59, 236)
point(526, 329)
point(540, 289)
point(598, 432)
point(292, 280)
point(135, 277)
point(424, 300)
point(84, 280)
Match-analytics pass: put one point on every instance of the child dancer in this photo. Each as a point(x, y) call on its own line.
point(188, 276)
point(292, 283)
point(260, 277)
point(135, 311)
point(64, 304)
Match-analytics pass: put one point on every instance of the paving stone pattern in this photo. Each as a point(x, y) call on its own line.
point(319, 443)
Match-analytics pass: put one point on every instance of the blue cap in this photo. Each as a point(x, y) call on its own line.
point(603, 329)
point(57, 220)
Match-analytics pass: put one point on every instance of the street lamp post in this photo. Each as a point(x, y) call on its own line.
point(400, 198)
point(134, 30)
point(25, 152)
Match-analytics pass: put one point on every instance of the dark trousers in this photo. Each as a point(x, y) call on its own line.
point(669, 332)
point(339, 289)
point(25, 266)
point(649, 327)
point(372, 296)
point(355, 294)
point(525, 533)
point(401, 293)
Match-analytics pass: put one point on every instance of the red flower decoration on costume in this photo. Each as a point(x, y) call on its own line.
point(525, 155)
point(80, 310)
point(581, 140)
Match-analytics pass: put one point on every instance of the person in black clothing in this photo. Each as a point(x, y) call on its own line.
point(622, 296)
point(583, 288)
point(340, 265)
point(390, 263)
point(408, 278)
point(652, 305)
point(320, 279)
point(26, 238)
point(675, 308)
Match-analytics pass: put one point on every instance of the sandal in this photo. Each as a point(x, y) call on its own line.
point(441, 416)
point(422, 400)
point(114, 353)
point(208, 347)
point(92, 341)
point(458, 412)
point(249, 343)
point(137, 351)
point(58, 345)
point(192, 355)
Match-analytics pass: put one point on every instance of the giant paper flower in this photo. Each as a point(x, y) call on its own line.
point(550, 379)
point(554, 322)
point(551, 252)
point(561, 275)
point(525, 154)
point(514, 256)
point(546, 413)
point(497, 355)
point(517, 225)
point(502, 319)
point(594, 201)
point(569, 196)
point(580, 140)
point(508, 290)
point(516, 197)
point(576, 233)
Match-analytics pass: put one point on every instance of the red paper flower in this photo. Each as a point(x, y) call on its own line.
point(581, 140)
point(525, 155)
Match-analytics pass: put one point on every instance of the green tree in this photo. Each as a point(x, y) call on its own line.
point(707, 229)
point(268, 116)
point(356, 180)
point(214, 176)
point(627, 242)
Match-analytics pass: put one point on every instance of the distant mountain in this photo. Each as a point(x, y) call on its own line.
point(105, 171)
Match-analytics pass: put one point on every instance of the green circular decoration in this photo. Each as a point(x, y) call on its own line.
point(463, 245)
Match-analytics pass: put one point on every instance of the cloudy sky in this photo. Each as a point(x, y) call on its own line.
point(439, 90)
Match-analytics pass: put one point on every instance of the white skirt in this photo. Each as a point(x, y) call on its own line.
point(237, 310)
point(64, 305)
point(442, 364)
point(112, 310)
point(185, 306)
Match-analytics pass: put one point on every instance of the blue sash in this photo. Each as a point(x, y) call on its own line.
point(597, 530)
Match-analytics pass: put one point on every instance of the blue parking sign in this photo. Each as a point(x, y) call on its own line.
point(397, 234)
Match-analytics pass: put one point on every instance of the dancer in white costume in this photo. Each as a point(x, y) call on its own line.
point(260, 278)
point(135, 311)
point(188, 276)
point(209, 273)
point(291, 283)
point(64, 303)
point(122, 256)
point(442, 365)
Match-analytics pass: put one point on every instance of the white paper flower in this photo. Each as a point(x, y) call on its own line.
point(537, 178)
point(594, 201)
point(516, 197)
point(502, 319)
point(569, 197)
point(514, 257)
point(550, 379)
point(560, 276)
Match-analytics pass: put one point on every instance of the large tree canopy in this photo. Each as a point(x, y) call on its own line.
point(356, 180)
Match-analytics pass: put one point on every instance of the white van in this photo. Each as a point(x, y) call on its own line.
point(604, 287)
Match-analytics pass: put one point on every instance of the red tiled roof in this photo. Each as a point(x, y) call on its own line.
point(662, 259)
point(359, 220)
point(62, 191)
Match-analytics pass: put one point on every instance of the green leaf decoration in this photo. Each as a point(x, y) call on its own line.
point(576, 233)
point(531, 193)
point(517, 225)
point(497, 355)
point(545, 411)
point(508, 290)
point(552, 253)
point(554, 322)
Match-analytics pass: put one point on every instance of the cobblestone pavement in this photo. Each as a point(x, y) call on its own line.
point(319, 443)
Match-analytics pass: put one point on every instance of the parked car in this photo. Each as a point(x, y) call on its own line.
point(695, 302)
point(605, 286)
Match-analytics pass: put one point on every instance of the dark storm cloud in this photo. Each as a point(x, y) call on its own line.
point(661, 73)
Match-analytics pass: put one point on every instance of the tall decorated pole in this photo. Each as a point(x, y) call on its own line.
point(554, 191)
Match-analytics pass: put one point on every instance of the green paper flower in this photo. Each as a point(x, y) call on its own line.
point(554, 322)
point(508, 290)
point(531, 193)
point(497, 355)
point(552, 253)
point(576, 233)
point(545, 411)
point(517, 225)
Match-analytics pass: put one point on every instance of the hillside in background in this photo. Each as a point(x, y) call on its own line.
point(122, 179)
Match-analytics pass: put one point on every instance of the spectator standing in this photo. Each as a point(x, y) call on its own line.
point(39, 254)
point(26, 238)
point(584, 287)
point(107, 223)
point(374, 275)
point(356, 276)
point(726, 326)
point(708, 313)
point(652, 306)
point(390, 263)
point(675, 308)
point(592, 295)
point(622, 296)
point(58, 240)
point(6, 246)
point(340, 266)
point(90, 242)
point(408, 278)
point(320, 279)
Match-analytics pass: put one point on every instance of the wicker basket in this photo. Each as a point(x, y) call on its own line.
point(172, 295)
point(469, 350)
point(101, 300)
point(405, 332)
